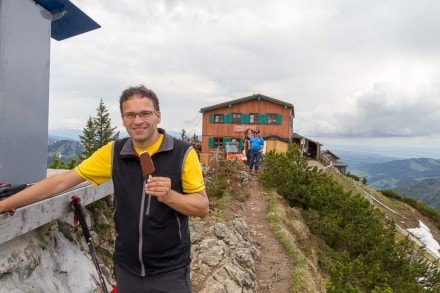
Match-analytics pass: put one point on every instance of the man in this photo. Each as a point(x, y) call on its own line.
point(152, 250)
point(257, 145)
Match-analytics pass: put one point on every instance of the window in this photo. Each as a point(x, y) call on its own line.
point(272, 119)
point(215, 142)
point(218, 142)
point(236, 118)
point(253, 118)
point(218, 118)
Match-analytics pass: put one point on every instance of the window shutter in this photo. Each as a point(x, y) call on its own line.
point(228, 118)
point(226, 139)
point(279, 117)
point(262, 118)
point(211, 142)
point(245, 118)
point(211, 118)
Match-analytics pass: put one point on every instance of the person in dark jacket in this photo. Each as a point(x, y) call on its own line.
point(152, 250)
point(246, 143)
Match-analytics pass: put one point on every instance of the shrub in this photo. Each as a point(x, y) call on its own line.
point(366, 256)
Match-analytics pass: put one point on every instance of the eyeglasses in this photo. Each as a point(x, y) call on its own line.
point(143, 115)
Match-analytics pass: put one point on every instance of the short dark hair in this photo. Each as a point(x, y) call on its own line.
point(141, 91)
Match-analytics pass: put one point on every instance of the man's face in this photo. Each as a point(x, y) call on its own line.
point(142, 130)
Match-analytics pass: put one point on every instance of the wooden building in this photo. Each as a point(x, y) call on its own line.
point(308, 147)
point(329, 159)
point(228, 121)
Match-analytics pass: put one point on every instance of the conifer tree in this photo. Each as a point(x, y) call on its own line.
point(98, 131)
point(103, 128)
point(88, 139)
point(183, 134)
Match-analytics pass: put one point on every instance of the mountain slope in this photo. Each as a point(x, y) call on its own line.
point(427, 191)
point(64, 150)
point(393, 174)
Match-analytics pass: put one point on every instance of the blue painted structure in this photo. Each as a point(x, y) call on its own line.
point(26, 29)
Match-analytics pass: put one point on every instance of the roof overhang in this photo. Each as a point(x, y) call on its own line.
point(67, 19)
point(246, 99)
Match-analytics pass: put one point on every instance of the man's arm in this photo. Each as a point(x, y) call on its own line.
point(41, 190)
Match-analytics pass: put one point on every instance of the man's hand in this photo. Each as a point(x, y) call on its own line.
point(159, 187)
point(191, 204)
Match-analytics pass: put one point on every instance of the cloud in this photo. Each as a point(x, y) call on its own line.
point(385, 111)
point(351, 68)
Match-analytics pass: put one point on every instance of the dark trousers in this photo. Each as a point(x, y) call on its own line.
point(254, 160)
point(177, 281)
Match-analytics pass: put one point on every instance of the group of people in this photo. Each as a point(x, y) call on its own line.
point(253, 146)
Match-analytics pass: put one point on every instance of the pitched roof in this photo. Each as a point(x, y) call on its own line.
point(331, 153)
point(246, 99)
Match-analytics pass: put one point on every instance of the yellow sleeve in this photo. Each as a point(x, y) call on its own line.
point(192, 176)
point(98, 167)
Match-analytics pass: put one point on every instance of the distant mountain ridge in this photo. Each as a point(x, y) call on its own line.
point(427, 191)
point(398, 173)
point(357, 159)
point(64, 150)
point(418, 179)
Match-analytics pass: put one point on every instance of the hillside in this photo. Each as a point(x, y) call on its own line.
point(398, 173)
point(427, 191)
point(285, 225)
point(287, 259)
point(64, 150)
point(404, 215)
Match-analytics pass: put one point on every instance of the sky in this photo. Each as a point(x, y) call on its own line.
point(358, 73)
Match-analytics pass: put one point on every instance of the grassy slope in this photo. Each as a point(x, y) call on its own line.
point(303, 247)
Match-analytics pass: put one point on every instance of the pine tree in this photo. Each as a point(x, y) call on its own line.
point(104, 131)
point(88, 139)
point(183, 134)
point(98, 132)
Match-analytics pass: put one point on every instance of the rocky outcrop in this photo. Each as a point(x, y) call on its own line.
point(47, 260)
point(223, 257)
point(44, 260)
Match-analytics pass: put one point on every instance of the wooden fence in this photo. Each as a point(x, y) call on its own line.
point(35, 215)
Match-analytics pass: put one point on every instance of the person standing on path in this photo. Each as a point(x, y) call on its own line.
point(257, 145)
point(152, 247)
point(246, 143)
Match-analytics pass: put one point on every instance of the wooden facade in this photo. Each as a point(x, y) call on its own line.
point(330, 159)
point(308, 147)
point(229, 120)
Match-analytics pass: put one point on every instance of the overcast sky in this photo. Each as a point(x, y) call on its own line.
point(356, 71)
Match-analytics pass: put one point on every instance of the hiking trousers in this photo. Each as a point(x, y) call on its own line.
point(254, 162)
point(177, 281)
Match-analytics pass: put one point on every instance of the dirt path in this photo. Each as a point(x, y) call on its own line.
point(274, 267)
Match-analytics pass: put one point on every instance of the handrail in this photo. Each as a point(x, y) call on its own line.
point(33, 216)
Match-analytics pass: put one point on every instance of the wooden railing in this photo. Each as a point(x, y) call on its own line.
point(30, 217)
